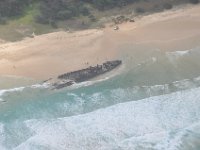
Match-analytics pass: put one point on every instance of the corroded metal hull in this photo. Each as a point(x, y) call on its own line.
point(78, 76)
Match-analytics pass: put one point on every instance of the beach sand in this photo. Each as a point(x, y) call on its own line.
point(52, 54)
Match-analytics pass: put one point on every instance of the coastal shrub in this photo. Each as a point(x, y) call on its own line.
point(84, 11)
point(12, 8)
point(53, 24)
point(41, 19)
point(60, 10)
point(139, 10)
point(194, 1)
point(167, 6)
point(3, 20)
point(92, 18)
point(50, 11)
point(64, 14)
point(107, 4)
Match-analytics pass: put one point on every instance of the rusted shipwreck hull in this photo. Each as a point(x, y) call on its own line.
point(78, 76)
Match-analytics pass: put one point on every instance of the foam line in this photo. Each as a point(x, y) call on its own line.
point(109, 128)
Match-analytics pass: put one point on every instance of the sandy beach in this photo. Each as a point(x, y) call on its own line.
point(52, 54)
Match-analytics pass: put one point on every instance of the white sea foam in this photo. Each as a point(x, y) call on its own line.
point(154, 59)
point(2, 137)
point(20, 89)
point(87, 83)
point(11, 90)
point(174, 56)
point(2, 92)
point(148, 61)
point(181, 53)
point(178, 54)
point(44, 85)
point(144, 124)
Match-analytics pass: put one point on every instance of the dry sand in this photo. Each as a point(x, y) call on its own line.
point(52, 54)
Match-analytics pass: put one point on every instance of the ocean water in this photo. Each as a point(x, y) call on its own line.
point(151, 103)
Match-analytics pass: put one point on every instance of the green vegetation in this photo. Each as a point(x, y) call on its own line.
point(23, 17)
point(52, 10)
point(167, 6)
point(194, 1)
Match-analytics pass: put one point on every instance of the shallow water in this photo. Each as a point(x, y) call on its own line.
point(152, 103)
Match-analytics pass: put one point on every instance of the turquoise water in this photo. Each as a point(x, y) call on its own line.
point(151, 103)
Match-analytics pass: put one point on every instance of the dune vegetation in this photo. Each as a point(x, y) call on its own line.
point(20, 18)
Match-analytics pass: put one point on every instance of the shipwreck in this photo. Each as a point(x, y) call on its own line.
point(86, 74)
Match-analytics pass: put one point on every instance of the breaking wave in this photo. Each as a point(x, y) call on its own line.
point(110, 115)
point(156, 123)
point(20, 89)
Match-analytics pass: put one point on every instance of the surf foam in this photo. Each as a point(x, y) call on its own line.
point(124, 126)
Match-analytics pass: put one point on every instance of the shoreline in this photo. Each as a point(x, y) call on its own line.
point(49, 55)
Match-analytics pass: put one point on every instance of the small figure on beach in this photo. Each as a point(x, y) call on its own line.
point(116, 28)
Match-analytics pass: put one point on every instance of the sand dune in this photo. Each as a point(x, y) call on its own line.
point(51, 54)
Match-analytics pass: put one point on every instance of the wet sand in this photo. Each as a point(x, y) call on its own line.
point(53, 54)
